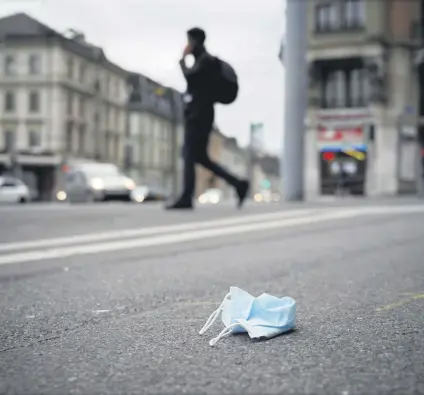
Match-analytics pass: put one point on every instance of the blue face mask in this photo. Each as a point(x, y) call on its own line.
point(263, 317)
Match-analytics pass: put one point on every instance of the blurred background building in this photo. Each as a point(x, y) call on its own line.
point(61, 100)
point(64, 103)
point(155, 130)
point(365, 96)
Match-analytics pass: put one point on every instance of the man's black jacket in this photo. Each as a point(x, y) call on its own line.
point(201, 82)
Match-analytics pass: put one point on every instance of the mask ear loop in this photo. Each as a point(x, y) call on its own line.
point(213, 316)
point(225, 332)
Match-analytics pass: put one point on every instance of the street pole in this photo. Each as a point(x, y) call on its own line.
point(255, 146)
point(295, 48)
point(174, 143)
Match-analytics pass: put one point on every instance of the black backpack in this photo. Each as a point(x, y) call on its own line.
point(227, 84)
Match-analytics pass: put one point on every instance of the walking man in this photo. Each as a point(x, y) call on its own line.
point(199, 115)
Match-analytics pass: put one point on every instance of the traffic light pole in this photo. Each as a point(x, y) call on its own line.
point(295, 48)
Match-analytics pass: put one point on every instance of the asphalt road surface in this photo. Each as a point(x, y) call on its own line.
point(109, 299)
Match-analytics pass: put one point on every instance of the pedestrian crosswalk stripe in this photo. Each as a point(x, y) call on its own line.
point(202, 232)
point(150, 231)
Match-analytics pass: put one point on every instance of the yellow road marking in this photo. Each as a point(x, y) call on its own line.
point(401, 303)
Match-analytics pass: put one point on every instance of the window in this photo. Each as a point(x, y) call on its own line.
point(117, 89)
point(355, 87)
point(326, 17)
point(34, 101)
point(81, 74)
point(11, 183)
point(340, 88)
point(69, 137)
point(9, 140)
point(34, 138)
point(108, 82)
point(81, 139)
point(81, 109)
point(69, 104)
point(354, 13)
point(336, 15)
point(70, 177)
point(108, 145)
point(10, 66)
point(34, 64)
point(70, 68)
point(97, 85)
point(346, 88)
point(117, 148)
point(366, 86)
point(359, 87)
point(330, 91)
point(9, 102)
point(335, 89)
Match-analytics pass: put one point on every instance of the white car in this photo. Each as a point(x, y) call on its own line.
point(13, 190)
point(90, 182)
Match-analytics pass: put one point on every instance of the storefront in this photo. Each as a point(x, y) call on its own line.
point(342, 160)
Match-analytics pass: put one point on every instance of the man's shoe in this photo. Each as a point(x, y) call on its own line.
point(180, 205)
point(242, 191)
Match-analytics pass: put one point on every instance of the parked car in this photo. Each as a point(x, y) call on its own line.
point(91, 182)
point(143, 194)
point(13, 190)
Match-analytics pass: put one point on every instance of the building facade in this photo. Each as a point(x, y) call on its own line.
point(156, 134)
point(61, 100)
point(364, 96)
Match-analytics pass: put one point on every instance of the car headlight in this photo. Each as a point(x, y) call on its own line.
point(214, 199)
point(139, 198)
point(97, 183)
point(129, 184)
point(258, 197)
point(61, 196)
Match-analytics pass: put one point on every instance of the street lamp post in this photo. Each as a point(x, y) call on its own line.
point(174, 142)
point(255, 145)
point(294, 58)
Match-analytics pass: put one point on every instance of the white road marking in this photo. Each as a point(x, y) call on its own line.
point(31, 207)
point(201, 234)
point(193, 234)
point(167, 239)
point(150, 231)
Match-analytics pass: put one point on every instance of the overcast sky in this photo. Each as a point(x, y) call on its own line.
point(148, 36)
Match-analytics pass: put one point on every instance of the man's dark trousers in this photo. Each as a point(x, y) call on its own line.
point(197, 131)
